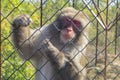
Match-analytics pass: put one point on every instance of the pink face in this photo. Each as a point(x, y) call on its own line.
point(68, 30)
point(70, 22)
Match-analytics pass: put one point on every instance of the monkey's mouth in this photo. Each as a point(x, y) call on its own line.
point(68, 36)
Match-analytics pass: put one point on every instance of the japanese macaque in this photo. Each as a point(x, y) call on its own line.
point(57, 50)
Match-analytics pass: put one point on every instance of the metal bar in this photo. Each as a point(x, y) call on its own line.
point(96, 55)
point(100, 22)
point(116, 29)
point(106, 42)
point(98, 11)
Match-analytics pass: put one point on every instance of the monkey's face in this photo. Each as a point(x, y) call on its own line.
point(69, 30)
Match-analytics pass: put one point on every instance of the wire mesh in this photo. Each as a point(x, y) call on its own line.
point(103, 49)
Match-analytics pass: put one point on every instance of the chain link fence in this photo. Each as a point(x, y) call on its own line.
point(103, 50)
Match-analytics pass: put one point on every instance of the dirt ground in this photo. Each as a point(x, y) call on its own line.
point(97, 72)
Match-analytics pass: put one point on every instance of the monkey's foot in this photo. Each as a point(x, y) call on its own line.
point(22, 20)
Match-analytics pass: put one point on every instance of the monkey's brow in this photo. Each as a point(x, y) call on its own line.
point(69, 21)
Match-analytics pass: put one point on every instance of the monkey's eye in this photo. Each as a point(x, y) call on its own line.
point(67, 23)
point(76, 24)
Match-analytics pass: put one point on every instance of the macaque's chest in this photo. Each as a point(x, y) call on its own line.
point(46, 71)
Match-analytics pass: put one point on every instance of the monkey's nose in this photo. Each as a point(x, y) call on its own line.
point(69, 29)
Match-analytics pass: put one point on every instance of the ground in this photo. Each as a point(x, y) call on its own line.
point(97, 72)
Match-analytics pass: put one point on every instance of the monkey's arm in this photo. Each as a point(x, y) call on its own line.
point(67, 69)
point(21, 34)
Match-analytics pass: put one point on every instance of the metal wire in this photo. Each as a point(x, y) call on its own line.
point(103, 47)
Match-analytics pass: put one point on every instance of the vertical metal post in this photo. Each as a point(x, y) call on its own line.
point(106, 42)
point(116, 28)
point(97, 37)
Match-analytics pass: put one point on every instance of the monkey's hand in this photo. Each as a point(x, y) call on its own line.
point(21, 21)
point(49, 47)
point(54, 54)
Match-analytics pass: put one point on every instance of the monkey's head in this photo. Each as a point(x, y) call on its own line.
point(71, 23)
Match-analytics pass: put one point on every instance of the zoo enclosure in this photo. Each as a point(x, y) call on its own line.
point(104, 42)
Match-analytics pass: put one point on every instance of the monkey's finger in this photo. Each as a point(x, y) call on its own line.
point(22, 20)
